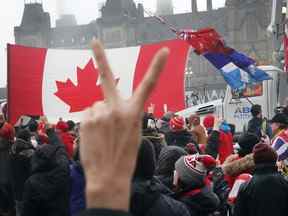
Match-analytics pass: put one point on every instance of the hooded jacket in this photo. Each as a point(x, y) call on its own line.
point(235, 166)
point(148, 196)
point(46, 192)
point(21, 154)
point(266, 194)
point(166, 164)
point(200, 202)
point(156, 139)
point(220, 144)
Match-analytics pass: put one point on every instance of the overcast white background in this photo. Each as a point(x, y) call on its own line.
point(85, 10)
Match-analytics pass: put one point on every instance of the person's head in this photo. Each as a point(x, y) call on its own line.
point(33, 126)
point(167, 116)
point(256, 110)
point(145, 120)
point(167, 159)
point(209, 122)
point(279, 122)
point(177, 124)
point(224, 126)
point(146, 161)
point(194, 120)
point(247, 141)
point(24, 135)
point(191, 170)
point(62, 126)
point(264, 154)
point(71, 125)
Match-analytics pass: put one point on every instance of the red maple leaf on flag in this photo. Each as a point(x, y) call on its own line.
point(85, 93)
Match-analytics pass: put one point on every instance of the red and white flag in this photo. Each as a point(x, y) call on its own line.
point(62, 83)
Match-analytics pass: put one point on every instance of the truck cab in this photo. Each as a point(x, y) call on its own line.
point(269, 94)
point(236, 106)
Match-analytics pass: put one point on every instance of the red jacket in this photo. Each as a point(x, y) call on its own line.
point(68, 140)
point(225, 146)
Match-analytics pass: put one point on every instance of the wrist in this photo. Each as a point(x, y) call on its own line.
point(111, 194)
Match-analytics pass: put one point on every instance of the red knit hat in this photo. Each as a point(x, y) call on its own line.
point(177, 123)
point(263, 153)
point(208, 121)
point(62, 126)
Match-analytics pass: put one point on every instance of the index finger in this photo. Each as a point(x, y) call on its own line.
point(108, 83)
point(150, 79)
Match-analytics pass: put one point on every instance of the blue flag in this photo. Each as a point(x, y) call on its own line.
point(236, 68)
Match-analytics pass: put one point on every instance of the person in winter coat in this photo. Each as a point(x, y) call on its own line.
point(66, 137)
point(220, 142)
point(258, 125)
point(178, 135)
point(279, 125)
point(37, 136)
point(7, 134)
point(148, 195)
point(208, 122)
point(21, 153)
point(193, 188)
point(77, 196)
point(197, 130)
point(266, 193)
point(150, 133)
point(242, 162)
point(166, 164)
point(164, 127)
point(46, 191)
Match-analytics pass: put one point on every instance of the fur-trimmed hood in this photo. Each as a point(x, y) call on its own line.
point(234, 165)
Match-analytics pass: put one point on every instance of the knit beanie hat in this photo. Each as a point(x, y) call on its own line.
point(167, 159)
point(247, 141)
point(256, 109)
point(146, 160)
point(263, 153)
point(192, 169)
point(208, 121)
point(177, 123)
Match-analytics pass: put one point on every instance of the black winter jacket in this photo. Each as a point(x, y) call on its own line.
point(46, 192)
point(265, 195)
point(148, 199)
point(201, 203)
point(21, 153)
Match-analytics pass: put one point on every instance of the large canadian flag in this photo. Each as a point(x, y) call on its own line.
point(62, 83)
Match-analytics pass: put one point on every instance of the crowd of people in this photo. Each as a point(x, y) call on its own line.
point(181, 167)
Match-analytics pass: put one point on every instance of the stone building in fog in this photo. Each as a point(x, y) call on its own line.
point(122, 23)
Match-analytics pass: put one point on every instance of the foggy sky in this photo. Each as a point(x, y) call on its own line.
point(85, 11)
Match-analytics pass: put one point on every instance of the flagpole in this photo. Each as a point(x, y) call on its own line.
point(163, 21)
